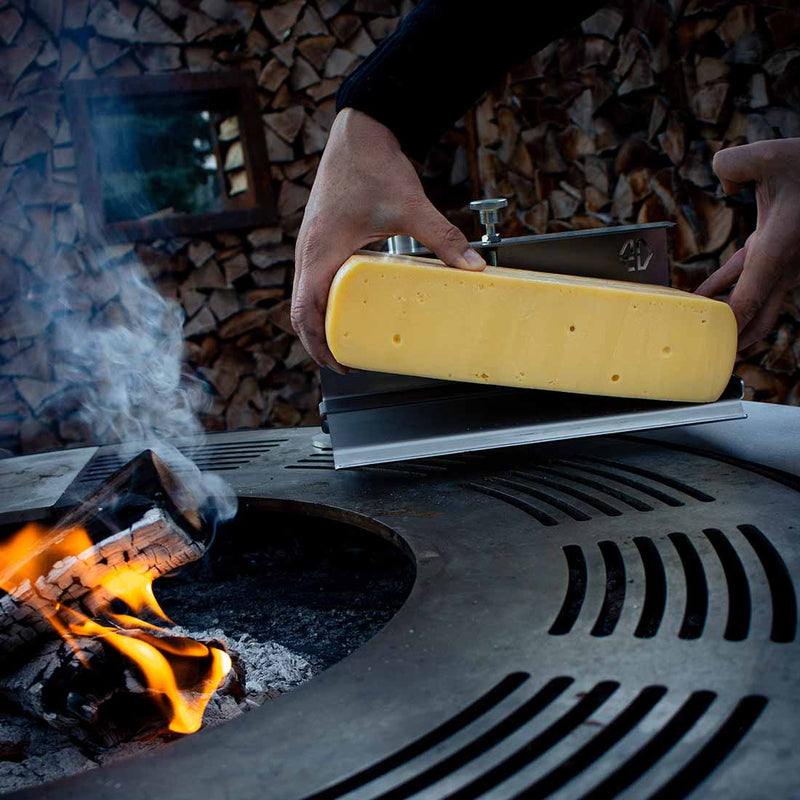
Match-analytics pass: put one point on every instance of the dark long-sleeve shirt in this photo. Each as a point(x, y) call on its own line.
point(444, 55)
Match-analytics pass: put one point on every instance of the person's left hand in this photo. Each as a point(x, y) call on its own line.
point(768, 265)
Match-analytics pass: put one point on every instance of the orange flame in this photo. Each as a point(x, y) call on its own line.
point(33, 552)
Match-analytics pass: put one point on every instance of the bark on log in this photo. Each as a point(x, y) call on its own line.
point(91, 691)
point(145, 481)
point(143, 514)
point(152, 547)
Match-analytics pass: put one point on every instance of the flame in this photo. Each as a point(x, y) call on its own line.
point(180, 673)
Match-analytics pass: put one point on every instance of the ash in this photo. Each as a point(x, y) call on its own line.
point(267, 666)
point(31, 753)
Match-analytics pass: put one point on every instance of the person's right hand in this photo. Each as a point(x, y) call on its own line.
point(365, 190)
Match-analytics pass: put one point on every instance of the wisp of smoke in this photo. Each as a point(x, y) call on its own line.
point(133, 388)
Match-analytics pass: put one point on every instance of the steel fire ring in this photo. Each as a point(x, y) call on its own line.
point(613, 617)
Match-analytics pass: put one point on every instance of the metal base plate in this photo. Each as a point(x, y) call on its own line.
point(375, 418)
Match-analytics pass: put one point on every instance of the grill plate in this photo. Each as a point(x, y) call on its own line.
point(600, 618)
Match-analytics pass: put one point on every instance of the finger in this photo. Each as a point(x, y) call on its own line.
point(716, 283)
point(762, 323)
point(428, 226)
point(737, 166)
point(312, 280)
point(308, 321)
point(756, 285)
point(314, 341)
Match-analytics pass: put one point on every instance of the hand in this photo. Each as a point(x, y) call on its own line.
point(365, 190)
point(768, 265)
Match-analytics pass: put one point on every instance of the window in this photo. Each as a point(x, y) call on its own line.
point(170, 155)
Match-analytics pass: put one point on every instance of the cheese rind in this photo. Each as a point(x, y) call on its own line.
point(529, 329)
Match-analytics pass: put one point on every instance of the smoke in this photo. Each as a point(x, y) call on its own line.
point(115, 342)
point(119, 343)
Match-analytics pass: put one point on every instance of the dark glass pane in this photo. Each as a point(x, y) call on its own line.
point(155, 162)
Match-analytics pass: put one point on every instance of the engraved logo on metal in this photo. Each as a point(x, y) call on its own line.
point(636, 255)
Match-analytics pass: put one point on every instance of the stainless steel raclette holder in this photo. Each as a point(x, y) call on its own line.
point(373, 417)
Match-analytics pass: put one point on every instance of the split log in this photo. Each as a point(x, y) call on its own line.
point(90, 690)
point(781, 357)
point(152, 547)
point(146, 481)
point(143, 515)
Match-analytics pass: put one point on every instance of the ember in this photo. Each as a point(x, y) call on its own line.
point(180, 674)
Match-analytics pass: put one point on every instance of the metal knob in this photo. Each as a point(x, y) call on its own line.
point(489, 211)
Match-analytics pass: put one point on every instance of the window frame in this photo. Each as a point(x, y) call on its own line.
point(232, 92)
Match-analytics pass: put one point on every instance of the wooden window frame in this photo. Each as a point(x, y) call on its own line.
point(230, 92)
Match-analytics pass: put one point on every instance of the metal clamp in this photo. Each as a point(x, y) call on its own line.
point(490, 215)
point(401, 245)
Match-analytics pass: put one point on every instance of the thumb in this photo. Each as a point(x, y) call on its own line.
point(736, 166)
point(437, 233)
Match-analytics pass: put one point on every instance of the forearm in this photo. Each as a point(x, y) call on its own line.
point(446, 54)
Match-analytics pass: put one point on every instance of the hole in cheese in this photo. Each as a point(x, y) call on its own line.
point(615, 378)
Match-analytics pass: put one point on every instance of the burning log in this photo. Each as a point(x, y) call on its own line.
point(150, 548)
point(145, 481)
point(143, 518)
point(111, 674)
point(89, 687)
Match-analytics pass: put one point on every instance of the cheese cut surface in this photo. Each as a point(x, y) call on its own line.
point(529, 329)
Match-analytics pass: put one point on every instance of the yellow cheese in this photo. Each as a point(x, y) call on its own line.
point(529, 329)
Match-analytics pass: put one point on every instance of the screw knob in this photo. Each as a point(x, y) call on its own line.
point(489, 211)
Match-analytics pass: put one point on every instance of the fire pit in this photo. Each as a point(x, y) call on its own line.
point(319, 586)
point(601, 618)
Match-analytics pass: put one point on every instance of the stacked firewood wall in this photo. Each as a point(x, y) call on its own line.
point(616, 123)
point(234, 286)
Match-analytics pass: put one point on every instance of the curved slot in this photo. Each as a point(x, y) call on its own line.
point(596, 747)
point(540, 744)
point(428, 466)
point(611, 491)
point(694, 616)
point(784, 600)
point(657, 477)
point(565, 508)
point(414, 471)
point(739, 604)
point(449, 728)
point(614, 598)
point(496, 734)
point(229, 461)
point(576, 591)
point(222, 447)
point(715, 751)
point(528, 508)
point(679, 724)
point(600, 505)
point(450, 461)
point(655, 588)
point(657, 494)
point(777, 475)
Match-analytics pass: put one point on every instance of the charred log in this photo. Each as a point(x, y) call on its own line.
point(151, 547)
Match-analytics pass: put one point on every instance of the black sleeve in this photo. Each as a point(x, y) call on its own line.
point(444, 55)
